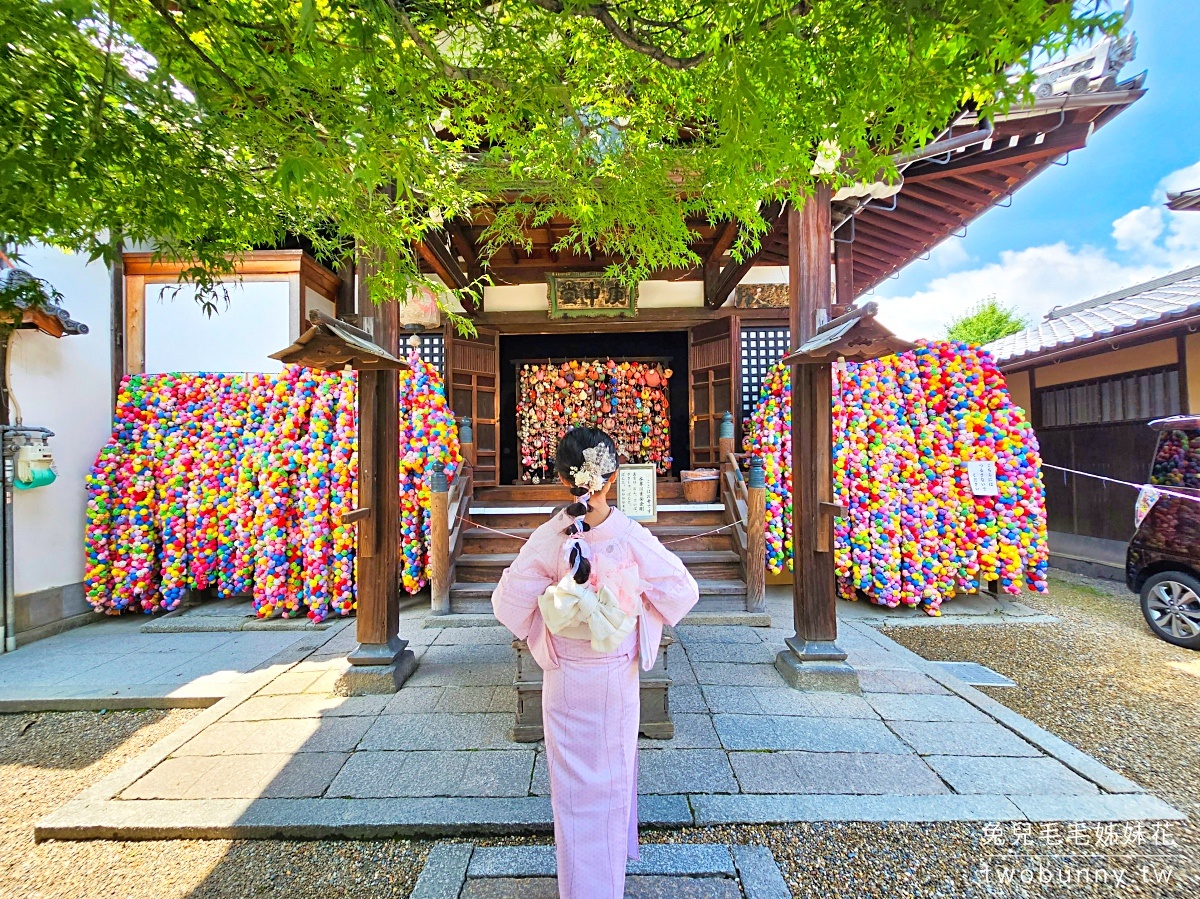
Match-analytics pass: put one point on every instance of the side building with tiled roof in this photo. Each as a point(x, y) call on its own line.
point(1091, 376)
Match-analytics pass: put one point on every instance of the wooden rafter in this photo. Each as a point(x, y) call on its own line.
point(1064, 140)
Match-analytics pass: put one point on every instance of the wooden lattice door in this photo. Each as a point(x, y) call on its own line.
point(714, 359)
point(473, 373)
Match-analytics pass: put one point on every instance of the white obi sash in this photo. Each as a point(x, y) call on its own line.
point(579, 612)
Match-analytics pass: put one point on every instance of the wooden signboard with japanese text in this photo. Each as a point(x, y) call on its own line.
point(580, 295)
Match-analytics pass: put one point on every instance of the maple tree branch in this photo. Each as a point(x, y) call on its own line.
point(604, 14)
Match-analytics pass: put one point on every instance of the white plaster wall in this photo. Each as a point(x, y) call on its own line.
point(239, 337)
point(314, 300)
point(63, 384)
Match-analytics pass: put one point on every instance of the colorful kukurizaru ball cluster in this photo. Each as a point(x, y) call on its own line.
point(238, 483)
point(903, 428)
point(630, 401)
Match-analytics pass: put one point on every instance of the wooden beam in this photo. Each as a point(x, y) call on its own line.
point(438, 257)
point(722, 241)
point(462, 242)
point(733, 273)
point(843, 267)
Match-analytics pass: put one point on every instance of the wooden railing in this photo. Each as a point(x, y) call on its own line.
point(744, 498)
point(449, 507)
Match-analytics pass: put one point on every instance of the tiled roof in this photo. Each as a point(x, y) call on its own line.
point(1133, 309)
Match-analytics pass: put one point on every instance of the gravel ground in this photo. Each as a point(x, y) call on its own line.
point(1098, 678)
point(47, 759)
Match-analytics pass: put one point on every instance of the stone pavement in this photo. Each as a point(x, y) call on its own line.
point(115, 664)
point(283, 756)
point(665, 871)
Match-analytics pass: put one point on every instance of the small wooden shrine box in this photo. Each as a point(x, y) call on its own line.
point(656, 723)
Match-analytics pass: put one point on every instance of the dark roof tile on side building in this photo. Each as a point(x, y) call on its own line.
point(1143, 306)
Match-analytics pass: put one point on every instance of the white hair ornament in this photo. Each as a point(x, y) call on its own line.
point(599, 464)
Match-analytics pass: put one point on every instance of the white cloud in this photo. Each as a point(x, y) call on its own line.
point(1187, 178)
point(1139, 229)
point(1149, 241)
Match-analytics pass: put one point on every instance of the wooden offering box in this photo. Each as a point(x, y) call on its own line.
point(656, 723)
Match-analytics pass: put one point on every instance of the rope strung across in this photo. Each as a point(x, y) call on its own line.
point(1163, 491)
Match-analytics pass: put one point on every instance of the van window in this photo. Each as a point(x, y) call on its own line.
point(1177, 460)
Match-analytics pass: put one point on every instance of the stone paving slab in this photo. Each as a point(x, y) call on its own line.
point(974, 674)
point(293, 735)
point(435, 773)
point(153, 819)
point(691, 732)
point(275, 776)
point(111, 665)
point(859, 773)
point(957, 738)
point(924, 707)
point(781, 700)
point(765, 733)
point(439, 731)
point(677, 859)
point(665, 871)
point(1012, 776)
point(760, 875)
point(781, 809)
point(636, 887)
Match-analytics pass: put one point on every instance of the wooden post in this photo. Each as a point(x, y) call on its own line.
point(756, 537)
point(725, 444)
point(378, 579)
point(843, 265)
point(439, 540)
point(466, 441)
point(812, 658)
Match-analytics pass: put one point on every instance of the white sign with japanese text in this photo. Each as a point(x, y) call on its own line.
point(983, 478)
point(637, 491)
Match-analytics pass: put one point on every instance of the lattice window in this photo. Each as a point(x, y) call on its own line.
point(1139, 396)
point(761, 348)
point(433, 351)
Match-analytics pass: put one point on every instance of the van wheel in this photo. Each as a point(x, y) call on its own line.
point(1171, 606)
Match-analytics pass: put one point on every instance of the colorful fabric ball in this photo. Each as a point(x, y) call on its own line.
point(904, 428)
point(237, 483)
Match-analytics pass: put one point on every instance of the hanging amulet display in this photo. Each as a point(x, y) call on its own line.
point(630, 401)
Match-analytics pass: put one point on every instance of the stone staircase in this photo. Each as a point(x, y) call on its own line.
point(518, 509)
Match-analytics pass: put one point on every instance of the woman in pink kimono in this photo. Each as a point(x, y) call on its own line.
point(590, 592)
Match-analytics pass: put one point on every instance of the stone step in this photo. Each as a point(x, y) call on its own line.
point(479, 540)
point(713, 564)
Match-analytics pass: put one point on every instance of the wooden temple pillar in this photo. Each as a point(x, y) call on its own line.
point(381, 662)
point(812, 659)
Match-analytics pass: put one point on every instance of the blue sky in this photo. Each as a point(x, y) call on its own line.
point(1094, 225)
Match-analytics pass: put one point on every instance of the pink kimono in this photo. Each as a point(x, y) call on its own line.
point(590, 700)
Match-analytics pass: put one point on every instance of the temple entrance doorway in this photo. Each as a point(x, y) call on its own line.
point(646, 352)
